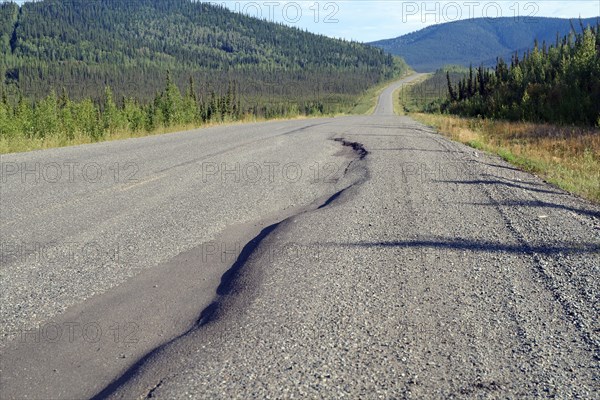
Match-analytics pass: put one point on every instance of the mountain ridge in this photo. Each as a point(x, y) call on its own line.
point(476, 41)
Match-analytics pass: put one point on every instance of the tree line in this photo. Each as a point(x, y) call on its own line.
point(59, 116)
point(85, 45)
point(95, 67)
point(557, 84)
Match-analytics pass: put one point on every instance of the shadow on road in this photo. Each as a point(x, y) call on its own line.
point(481, 246)
point(503, 183)
point(539, 204)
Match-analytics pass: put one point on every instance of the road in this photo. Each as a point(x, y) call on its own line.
point(271, 259)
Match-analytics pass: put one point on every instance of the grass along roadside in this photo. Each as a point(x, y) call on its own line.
point(366, 103)
point(567, 157)
point(403, 94)
point(24, 144)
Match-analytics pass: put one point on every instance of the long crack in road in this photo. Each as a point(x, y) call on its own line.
point(401, 265)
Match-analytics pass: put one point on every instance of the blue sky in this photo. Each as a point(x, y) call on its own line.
point(365, 20)
point(369, 20)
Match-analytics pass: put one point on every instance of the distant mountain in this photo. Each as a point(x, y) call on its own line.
point(475, 41)
point(83, 45)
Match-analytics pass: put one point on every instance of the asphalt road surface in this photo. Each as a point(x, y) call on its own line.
point(359, 257)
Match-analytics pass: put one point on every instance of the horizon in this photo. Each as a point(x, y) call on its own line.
point(369, 21)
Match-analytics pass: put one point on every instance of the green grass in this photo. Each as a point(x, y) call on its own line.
point(23, 144)
point(401, 107)
point(476, 144)
point(365, 105)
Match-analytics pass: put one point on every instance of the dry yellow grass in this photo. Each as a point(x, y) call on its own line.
point(565, 156)
point(22, 144)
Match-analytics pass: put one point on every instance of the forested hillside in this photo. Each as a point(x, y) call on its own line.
point(76, 71)
point(475, 41)
point(558, 84)
point(540, 111)
point(85, 45)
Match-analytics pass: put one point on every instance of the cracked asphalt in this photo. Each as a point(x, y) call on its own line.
point(423, 270)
